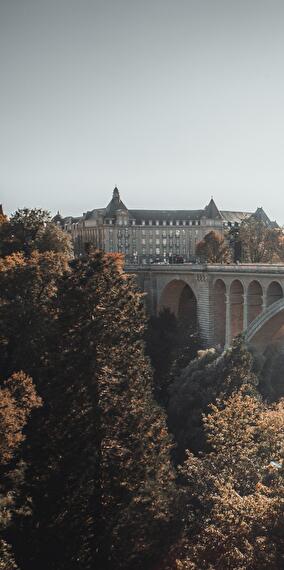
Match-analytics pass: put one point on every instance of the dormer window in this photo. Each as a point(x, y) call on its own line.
point(143, 222)
point(157, 222)
point(171, 222)
point(133, 222)
point(150, 222)
point(177, 222)
point(164, 223)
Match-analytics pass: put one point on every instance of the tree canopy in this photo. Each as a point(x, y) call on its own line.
point(213, 248)
point(256, 242)
point(32, 229)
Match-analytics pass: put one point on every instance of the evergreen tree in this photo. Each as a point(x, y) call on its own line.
point(209, 376)
point(28, 289)
point(101, 479)
point(171, 345)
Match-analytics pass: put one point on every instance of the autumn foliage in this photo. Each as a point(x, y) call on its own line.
point(91, 476)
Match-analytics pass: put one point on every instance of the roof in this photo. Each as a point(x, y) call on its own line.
point(167, 215)
point(210, 212)
point(239, 217)
point(115, 204)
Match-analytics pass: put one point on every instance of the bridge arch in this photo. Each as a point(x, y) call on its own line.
point(274, 293)
point(254, 300)
point(236, 307)
point(180, 299)
point(268, 327)
point(219, 312)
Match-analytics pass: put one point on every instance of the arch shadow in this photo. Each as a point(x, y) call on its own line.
point(219, 313)
point(179, 298)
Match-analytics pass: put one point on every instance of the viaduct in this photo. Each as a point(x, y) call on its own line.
point(220, 301)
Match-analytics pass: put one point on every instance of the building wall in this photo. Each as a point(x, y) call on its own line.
point(143, 244)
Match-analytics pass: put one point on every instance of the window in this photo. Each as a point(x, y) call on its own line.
point(150, 222)
point(184, 223)
point(157, 222)
point(143, 222)
point(171, 222)
point(177, 222)
point(157, 251)
point(157, 232)
point(143, 241)
point(164, 242)
point(157, 242)
point(143, 232)
point(133, 222)
point(164, 223)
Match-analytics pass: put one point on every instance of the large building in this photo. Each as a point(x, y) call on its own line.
point(146, 236)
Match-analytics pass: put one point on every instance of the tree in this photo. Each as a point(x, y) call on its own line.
point(213, 249)
point(209, 376)
point(17, 400)
point(100, 476)
point(28, 294)
point(269, 369)
point(29, 230)
point(258, 242)
point(171, 345)
point(236, 489)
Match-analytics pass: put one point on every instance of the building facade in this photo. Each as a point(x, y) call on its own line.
point(147, 236)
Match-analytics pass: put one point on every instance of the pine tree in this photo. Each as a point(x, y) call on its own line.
point(28, 293)
point(101, 478)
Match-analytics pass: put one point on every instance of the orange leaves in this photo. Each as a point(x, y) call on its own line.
point(17, 399)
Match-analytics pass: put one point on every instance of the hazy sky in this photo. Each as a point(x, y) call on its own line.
point(171, 100)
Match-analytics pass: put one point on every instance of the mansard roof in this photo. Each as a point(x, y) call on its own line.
point(167, 215)
point(210, 212)
point(232, 217)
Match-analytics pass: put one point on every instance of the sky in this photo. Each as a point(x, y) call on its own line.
point(173, 101)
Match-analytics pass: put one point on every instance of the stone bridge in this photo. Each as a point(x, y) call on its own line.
point(220, 301)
